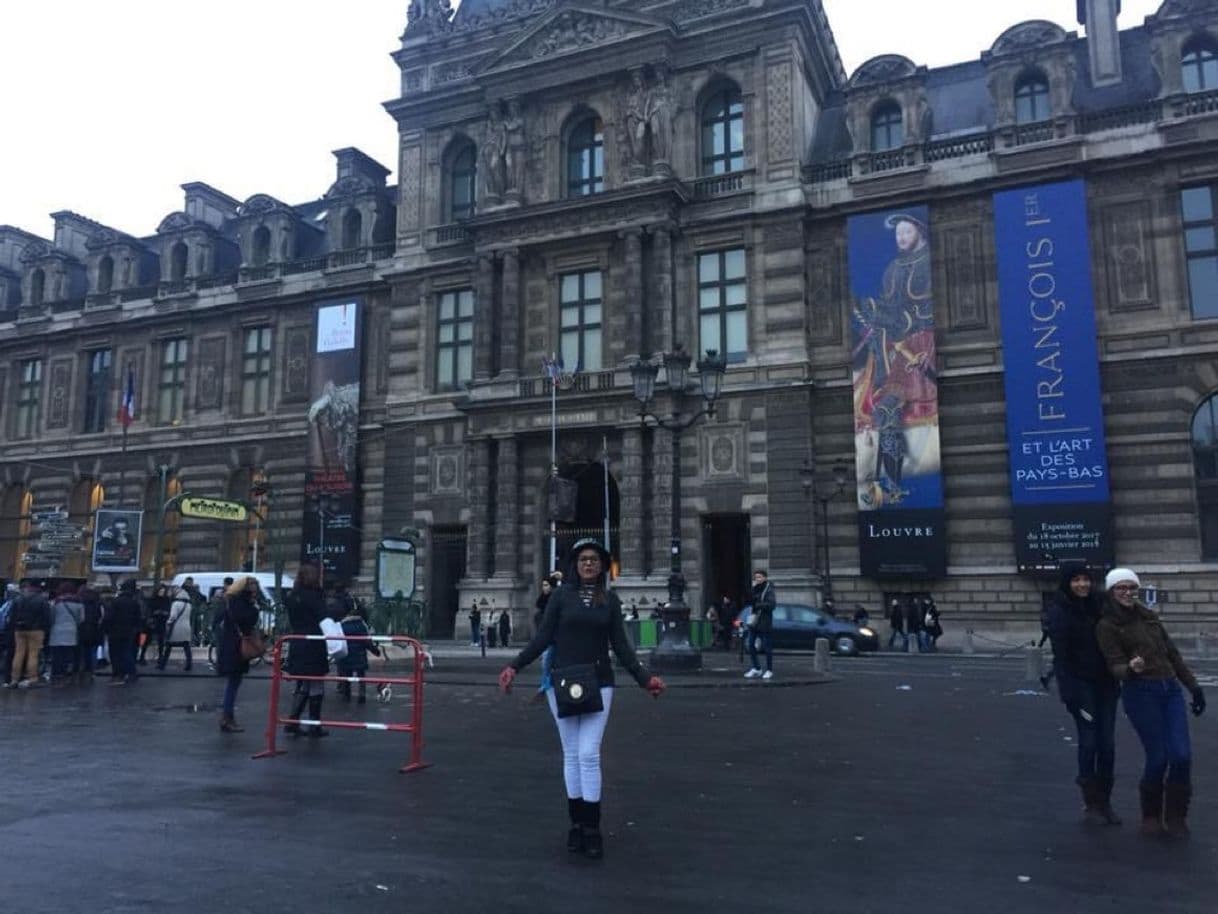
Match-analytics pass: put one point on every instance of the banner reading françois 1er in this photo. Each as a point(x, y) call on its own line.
point(896, 396)
point(332, 478)
point(1055, 420)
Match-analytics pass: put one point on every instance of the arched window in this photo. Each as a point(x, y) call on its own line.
point(1199, 64)
point(178, 255)
point(887, 127)
point(353, 229)
point(15, 510)
point(38, 285)
point(260, 248)
point(586, 158)
point(462, 182)
point(723, 132)
point(105, 275)
point(1032, 99)
point(1205, 468)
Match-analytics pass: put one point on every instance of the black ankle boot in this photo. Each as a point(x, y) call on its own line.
point(594, 845)
point(317, 730)
point(575, 835)
point(298, 707)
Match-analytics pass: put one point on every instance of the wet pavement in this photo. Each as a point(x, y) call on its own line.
point(905, 784)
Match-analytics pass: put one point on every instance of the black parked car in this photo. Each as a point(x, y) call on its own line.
point(797, 628)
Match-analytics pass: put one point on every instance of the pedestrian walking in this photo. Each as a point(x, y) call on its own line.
point(1143, 657)
point(762, 626)
point(122, 625)
point(156, 608)
point(583, 620)
point(89, 634)
point(505, 627)
point(307, 607)
point(475, 625)
point(896, 621)
point(218, 610)
point(240, 619)
point(727, 616)
point(913, 623)
point(66, 615)
point(30, 618)
point(355, 662)
point(1086, 687)
point(932, 628)
point(11, 593)
point(178, 630)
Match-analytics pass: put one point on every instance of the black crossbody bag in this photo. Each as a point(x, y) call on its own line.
point(577, 690)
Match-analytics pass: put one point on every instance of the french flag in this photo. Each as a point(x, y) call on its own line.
point(126, 406)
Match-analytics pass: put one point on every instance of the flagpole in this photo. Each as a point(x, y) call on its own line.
point(124, 418)
point(553, 461)
point(605, 468)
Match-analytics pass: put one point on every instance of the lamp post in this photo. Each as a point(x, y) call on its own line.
point(675, 651)
point(807, 478)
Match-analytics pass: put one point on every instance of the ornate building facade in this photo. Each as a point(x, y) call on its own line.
point(609, 180)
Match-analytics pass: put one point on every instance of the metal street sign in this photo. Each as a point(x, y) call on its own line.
point(213, 509)
point(42, 517)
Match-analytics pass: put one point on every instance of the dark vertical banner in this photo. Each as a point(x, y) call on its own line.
point(332, 477)
point(896, 395)
point(1055, 419)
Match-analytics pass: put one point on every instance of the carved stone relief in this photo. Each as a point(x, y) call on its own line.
point(722, 450)
point(825, 268)
point(297, 343)
point(59, 396)
point(209, 384)
point(645, 124)
point(779, 116)
point(448, 470)
point(1128, 255)
point(964, 263)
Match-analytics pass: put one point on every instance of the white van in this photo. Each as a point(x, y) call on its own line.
point(209, 582)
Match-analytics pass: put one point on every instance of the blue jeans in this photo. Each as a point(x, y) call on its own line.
point(474, 633)
point(767, 645)
point(1097, 736)
point(231, 685)
point(1157, 711)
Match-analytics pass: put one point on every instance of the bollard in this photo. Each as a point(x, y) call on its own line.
point(968, 642)
point(1034, 664)
point(820, 660)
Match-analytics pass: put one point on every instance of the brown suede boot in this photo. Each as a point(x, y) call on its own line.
point(1152, 809)
point(228, 724)
point(1175, 819)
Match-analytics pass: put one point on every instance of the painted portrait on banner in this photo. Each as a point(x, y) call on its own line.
point(896, 391)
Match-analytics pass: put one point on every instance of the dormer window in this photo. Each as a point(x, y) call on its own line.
point(1199, 64)
point(353, 229)
point(260, 249)
point(1032, 99)
point(38, 284)
point(178, 257)
point(887, 127)
point(105, 275)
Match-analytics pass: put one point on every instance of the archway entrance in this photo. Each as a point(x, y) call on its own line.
point(596, 498)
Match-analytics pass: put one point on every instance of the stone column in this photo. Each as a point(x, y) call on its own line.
point(634, 292)
point(661, 503)
point(630, 488)
point(484, 318)
point(660, 312)
point(478, 492)
point(507, 510)
point(509, 316)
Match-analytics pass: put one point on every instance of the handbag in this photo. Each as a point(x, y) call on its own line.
point(253, 645)
point(577, 690)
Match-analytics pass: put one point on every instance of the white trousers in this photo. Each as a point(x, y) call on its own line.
point(581, 747)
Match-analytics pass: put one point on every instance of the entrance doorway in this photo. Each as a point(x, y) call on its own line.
point(448, 549)
point(596, 496)
point(727, 547)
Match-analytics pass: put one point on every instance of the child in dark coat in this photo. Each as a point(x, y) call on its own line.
point(356, 662)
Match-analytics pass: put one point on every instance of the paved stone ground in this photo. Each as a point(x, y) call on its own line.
point(855, 795)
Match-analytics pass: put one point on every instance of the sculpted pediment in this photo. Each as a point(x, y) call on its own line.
point(1182, 9)
point(570, 30)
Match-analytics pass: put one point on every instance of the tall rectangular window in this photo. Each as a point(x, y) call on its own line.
point(256, 371)
point(455, 339)
point(1201, 246)
point(98, 364)
point(580, 317)
point(29, 397)
point(171, 385)
point(723, 304)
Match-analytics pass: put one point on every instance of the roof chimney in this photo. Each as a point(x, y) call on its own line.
point(1103, 39)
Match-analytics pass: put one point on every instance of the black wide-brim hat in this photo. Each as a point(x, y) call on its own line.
point(590, 543)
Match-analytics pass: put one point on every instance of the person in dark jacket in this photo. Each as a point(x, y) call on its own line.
point(122, 626)
point(307, 606)
point(90, 634)
point(1143, 657)
point(913, 622)
point(505, 627)
point(1085, 686)
point(896, 620)
point(30, 619)
point(355, 662)
point(157, 609)
point(762, 626)
point(240, 619)
point(583, 619)
point(475, 625)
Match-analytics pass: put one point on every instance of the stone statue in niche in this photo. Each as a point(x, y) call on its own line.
point(494, 157)
point(648, 125)
point(514, 152)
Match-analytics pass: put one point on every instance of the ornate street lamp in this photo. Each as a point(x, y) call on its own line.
point(807, 478)
point(675, 651)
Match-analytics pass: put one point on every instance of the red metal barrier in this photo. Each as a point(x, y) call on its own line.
point(415, 681)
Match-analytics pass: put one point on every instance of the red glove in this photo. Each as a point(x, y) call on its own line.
point(655, 685)
point(505, 679)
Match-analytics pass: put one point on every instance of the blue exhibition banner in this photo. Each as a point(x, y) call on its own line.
point(1055, 419)
point(895, 376)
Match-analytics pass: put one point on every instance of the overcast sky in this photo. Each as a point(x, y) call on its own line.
point(108, 107)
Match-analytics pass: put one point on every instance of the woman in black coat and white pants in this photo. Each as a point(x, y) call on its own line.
point(306, 606)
